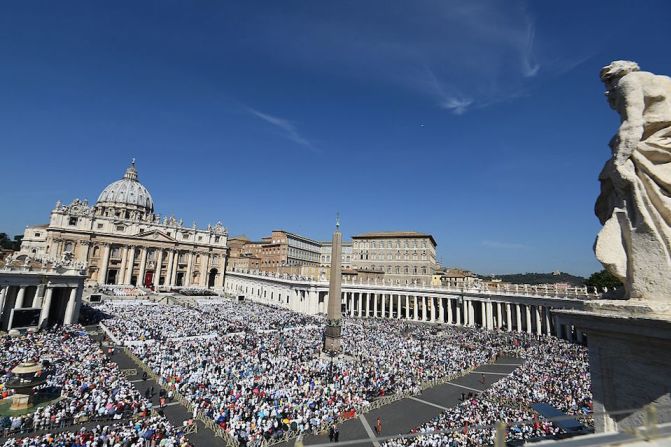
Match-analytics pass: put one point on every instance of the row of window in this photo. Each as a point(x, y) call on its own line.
point(398, 270)
point(391, 244)
point(389, 257)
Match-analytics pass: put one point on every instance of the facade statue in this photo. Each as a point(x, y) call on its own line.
point(635, 201)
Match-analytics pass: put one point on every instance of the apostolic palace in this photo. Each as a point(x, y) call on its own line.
point(122, 240)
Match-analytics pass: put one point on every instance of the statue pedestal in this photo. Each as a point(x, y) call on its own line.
point(630, 360)
point(20, 402)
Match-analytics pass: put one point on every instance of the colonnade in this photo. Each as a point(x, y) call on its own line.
point(57, 304)
point(532, 315)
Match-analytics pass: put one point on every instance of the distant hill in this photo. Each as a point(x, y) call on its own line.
point(539, 278)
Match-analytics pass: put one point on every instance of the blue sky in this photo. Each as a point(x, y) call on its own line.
point(481, 122)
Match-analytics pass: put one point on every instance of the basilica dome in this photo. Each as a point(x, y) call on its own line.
point(127, 193)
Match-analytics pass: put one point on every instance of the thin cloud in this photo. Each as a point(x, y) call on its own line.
point(288, 129)
point(504, 245)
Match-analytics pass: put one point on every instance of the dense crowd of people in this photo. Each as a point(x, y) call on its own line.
point(81, 385)
point(152, 431)
point(121, 291)
point(263, 375)
point(555, 372)
point(258, 373)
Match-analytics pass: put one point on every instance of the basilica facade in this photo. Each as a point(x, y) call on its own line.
point(123, 241)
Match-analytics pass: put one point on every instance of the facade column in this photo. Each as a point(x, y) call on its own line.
point(168, 268)
point(189, 270)
point(141, 267)
point(159, 267)
point(70, 308)
point(46, 305)
point(121, 276)
point(206, 270)
point(528, 314)
point(415, 313)
point(102, 268)
point(509, 318)
point(131, 261)
point(539, 328)
point(175, 267)
point(18, 304)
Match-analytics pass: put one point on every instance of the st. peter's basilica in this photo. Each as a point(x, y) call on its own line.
point(122, 241)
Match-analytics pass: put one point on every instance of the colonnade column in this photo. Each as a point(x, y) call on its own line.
point(499, 316)
point(471, 312)
point(509, 318)
point(70, 308)
point(518, 315)
point(366, 304)
point(414, 310)
point(46, 305)
point(448, 303)
point(360, 305)
point(375, 297)
point(483, 314)
point(425, 308)
point(407, 307)
point(441, 309)
point(131, 259)
point(398, 307)
point(457, 307)
point(537, 311)
point(3, 298)
point(528, 314)
point(351, 307)
point(548, 329)
point(466, 312)
point(18, 304)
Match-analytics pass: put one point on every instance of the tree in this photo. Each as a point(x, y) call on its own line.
point(603, 279)
point(7, 243)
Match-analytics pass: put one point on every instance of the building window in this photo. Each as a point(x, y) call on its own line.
point(120, 228)
point(216, 239)
point(37, 234)
point(72, 221)
point(200, 238)
point(100, 226)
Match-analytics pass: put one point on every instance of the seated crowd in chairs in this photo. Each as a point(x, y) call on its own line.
point(121, 291)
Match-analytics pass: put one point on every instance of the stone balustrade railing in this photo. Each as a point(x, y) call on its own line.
point(528, 290)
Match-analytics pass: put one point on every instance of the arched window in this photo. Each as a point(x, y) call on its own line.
point(406, 270)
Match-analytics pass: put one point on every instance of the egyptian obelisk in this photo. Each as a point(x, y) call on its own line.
point(333, 334)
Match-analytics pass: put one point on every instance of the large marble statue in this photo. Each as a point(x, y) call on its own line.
point(635, 202)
